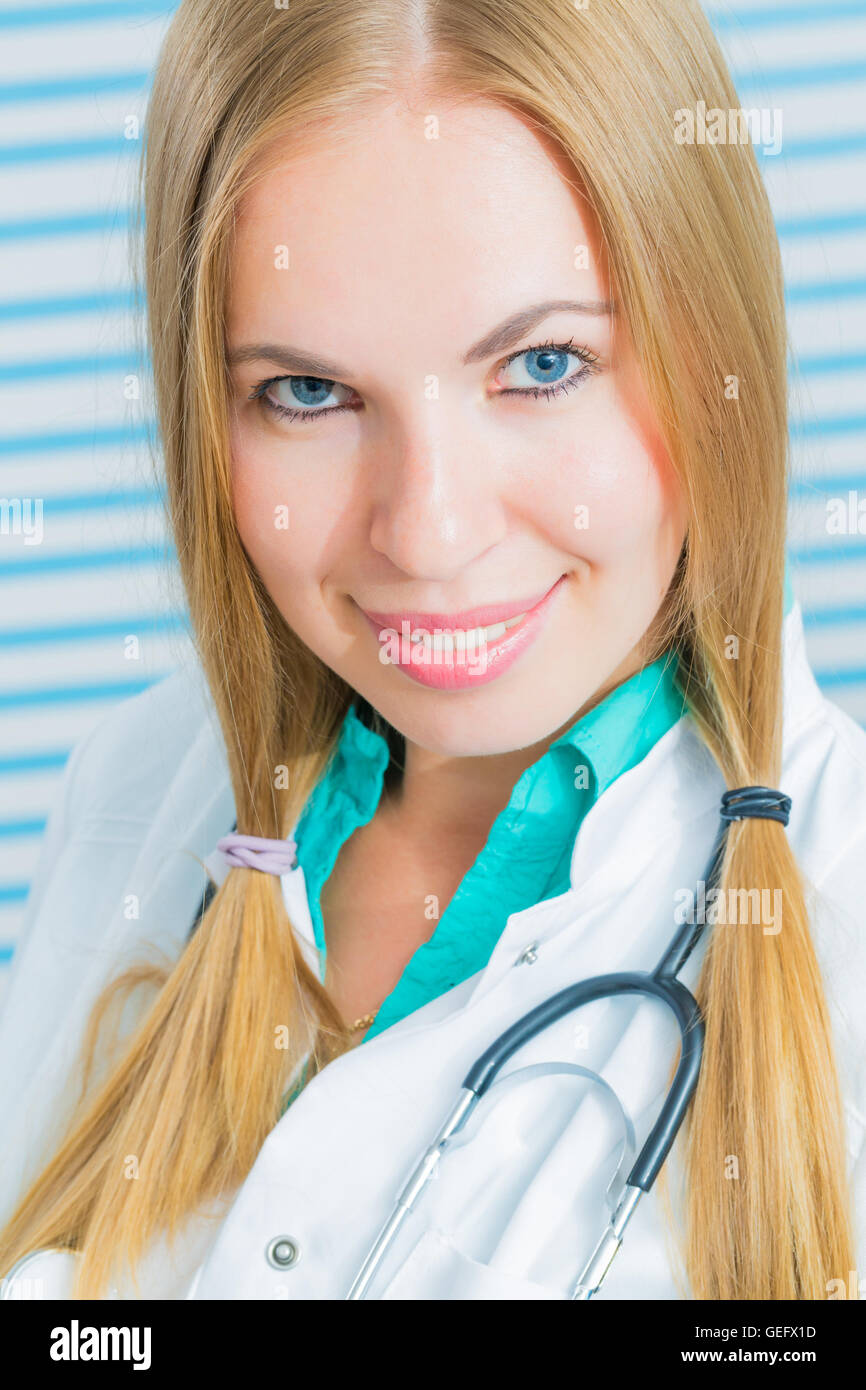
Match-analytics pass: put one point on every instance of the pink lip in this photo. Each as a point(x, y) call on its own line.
point(455, 670)
point(467, 618)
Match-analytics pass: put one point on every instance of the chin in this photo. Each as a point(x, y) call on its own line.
point(474, 724)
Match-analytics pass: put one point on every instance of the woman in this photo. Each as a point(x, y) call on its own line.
point(449, 331)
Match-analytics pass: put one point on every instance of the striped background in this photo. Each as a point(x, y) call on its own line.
point(74, 409)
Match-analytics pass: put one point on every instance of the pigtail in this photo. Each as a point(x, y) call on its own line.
point(767, 1203)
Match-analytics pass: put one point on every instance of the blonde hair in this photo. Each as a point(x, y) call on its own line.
point(695, 263)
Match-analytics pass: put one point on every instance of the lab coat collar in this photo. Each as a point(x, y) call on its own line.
point(685, 780)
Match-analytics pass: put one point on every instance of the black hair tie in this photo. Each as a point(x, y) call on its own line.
point(762, 803)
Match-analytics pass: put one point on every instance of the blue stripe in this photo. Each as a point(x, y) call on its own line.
point(834, 617)
point(14, 892)
point(767, 79)
point(11, 828)
point(827, 426)
point(824, 224)
point(35, 762)
point(71, 503)
point(812, 292)
point(854, 361)
point(74, 694)
point(820, 291)
point(132, 433)
point(829, 554)
point(80, 85)
point(98, 302)
point(7, 951)
point(31, 17)
point(774, 16)
point(92, 147)
point(819, 485)
point(84, 632)
point(827, 679)
point(821, 147)
point(36, 565)
point(72, 224)
point(71, 366)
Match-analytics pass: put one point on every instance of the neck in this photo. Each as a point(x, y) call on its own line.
point(447, 798)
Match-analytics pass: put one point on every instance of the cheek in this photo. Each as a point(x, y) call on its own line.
point(613, 497)
point(264, 520)
point(283, 520)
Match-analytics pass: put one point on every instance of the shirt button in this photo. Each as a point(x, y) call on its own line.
point(528, 956)
point(283, 1252)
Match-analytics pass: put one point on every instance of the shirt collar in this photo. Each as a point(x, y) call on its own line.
point(619, 731)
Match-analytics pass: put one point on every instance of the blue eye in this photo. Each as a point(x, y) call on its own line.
point(306, 392)
point(548, 371)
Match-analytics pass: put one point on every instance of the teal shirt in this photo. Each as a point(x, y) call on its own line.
point(527, 855)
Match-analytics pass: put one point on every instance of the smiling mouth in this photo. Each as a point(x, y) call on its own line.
point(442, 653)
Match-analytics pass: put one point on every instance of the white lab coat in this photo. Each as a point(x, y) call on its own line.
point(516, 1211)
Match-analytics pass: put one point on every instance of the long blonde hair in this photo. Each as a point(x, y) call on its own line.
point(695, 264)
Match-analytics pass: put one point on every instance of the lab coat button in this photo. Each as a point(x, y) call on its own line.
point(283, 1252)
point(529, 956)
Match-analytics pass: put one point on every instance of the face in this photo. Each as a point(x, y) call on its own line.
point(438, 424)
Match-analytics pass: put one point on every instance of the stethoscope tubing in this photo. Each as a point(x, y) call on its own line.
point(671, 992)
point(660, 983)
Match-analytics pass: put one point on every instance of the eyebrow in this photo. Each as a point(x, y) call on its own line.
point(499, 339)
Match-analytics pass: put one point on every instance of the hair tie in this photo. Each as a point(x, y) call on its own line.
point(258, 852)
point(762, 803)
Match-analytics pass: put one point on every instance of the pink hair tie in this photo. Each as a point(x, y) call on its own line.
point(257, 852)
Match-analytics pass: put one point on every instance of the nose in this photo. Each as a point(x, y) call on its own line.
point(437, 506)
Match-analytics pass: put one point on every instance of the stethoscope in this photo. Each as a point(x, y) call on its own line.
point(660, 983)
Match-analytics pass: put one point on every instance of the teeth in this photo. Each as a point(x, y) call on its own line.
point(461, 638)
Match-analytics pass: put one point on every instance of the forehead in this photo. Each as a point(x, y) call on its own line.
point(469, 197)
